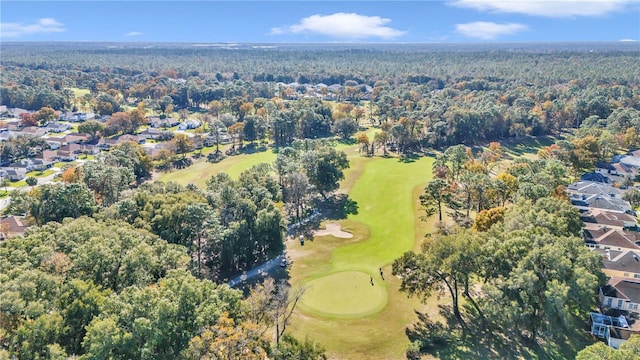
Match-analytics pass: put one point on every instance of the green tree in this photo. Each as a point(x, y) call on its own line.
point(445, 264)
point(528, 285)
point(632, 195)
point(629, 350)
point(324, 168)
point(45, 115)
point(31, 181)
point(132, 156)
point(435, 194)
point(297, 190)
point(345, 127)
point(159, 322)
point(91, 127)
point(56, 202)
point(106, 180)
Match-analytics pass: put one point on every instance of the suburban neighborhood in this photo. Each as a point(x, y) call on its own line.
point(611, 230)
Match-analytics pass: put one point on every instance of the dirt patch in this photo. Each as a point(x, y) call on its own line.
point(333, 229)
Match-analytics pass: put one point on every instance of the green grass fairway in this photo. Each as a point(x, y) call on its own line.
point(386, 226)
point(80, 92)
point(344, 294)
point(202, 170)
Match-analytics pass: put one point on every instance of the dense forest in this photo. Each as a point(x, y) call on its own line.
point(428, 96)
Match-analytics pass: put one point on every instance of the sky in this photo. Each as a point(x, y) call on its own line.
point(309, 21)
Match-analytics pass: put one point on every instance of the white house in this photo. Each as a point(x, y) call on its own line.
point(614, 330)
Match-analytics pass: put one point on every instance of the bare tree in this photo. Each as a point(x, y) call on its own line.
point(272, 304)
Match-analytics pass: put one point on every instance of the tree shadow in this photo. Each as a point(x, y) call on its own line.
point(408, 157)
point(495, 341)
point(336, 207)
point(252, 148)
point(349, 141)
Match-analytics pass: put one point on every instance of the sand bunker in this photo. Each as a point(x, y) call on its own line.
point(333, 229)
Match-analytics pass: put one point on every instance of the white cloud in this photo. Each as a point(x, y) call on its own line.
point(628, 40)
point(342, 25)
point(42, 26)
point(133, 33)
point(550, 8)
point(488, 30)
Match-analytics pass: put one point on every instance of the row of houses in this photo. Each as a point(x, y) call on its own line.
point(611, 230)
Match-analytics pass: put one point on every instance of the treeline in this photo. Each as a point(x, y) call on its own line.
point(434, 99)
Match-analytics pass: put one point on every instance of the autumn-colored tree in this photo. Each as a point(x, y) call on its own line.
point(228, 340)
point(214, 108)
point(71, 175)
point(245, 109)
point(118, 123)
point(486, 218)
point(358, 113)
point(237, 133)
point(182, 144)
point(363, 140)
point(28, 119)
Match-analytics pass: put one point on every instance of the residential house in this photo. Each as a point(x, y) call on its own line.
point(609, 219)
point(156, 134)
point(584, 202)
point(621, 294)
point(616, 172)
point(190, 124)
point(76, 138)
point(33, 131)
point(595, 177)
point(23, 164)
point(628, 159)
point(153, 149)
point(614, 330)
point(69, 152)
point(57, 127)
point(11, 226)
point(223, 138)
point(13, 174)
point(48, 155)
point(67, 116)
point(128, 137)
point(106, 144)
point(594, 188)
point(604, 237)
point(16, 112)
point(621, 264)
point(40, 164)
point(156, 122)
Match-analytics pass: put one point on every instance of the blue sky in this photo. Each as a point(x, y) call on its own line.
point(321, 21)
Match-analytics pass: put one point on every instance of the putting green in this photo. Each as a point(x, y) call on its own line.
point(344, 294)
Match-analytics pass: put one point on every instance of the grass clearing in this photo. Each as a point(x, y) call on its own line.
point(202, 170)
point(77, 92)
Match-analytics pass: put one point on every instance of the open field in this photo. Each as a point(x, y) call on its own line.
point(202, 170)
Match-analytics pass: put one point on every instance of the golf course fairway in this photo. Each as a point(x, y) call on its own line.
point(367, 321)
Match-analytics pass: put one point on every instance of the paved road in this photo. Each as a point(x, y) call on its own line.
point(259, 270)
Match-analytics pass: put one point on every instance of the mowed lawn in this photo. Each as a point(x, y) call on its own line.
point(202, 170)
point(385, 227)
